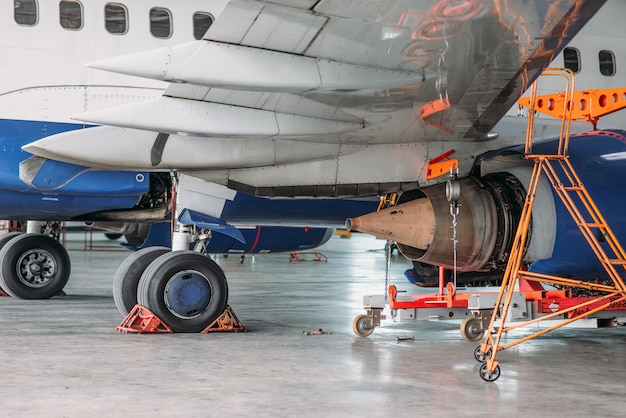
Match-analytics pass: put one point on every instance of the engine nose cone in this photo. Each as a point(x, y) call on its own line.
point(411, 223)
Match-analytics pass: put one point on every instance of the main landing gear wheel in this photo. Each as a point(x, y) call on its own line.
point(33, 266)
point(6, 238)
point(488, 376)
point(362, 326)
point(471, 329)
point(185, 289)
point(128, 274)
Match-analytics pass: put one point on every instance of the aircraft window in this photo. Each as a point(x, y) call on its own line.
point(571, 58)
point(115, 18)
point(160, 22)
point(201, 23)
point(25, 12)
point(607, 62)
point(71, 15)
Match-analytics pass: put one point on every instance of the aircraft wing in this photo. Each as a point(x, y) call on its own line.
point(332, 97)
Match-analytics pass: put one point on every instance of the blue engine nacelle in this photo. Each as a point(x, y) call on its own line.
point(258, 240)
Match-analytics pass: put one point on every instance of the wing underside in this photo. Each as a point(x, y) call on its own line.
point(332, 97)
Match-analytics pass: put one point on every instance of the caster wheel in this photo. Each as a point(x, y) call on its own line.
point(361, 326)
point(480, 356)
point(471, 330)
point(488, 376)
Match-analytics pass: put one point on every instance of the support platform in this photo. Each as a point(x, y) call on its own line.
point(531, 304)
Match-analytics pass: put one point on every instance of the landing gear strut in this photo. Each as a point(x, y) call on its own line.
point(185, 289)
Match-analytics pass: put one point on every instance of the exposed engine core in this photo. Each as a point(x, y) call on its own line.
point(152, 206)
point(421, 223)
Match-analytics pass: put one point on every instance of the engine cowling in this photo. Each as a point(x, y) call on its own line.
point(421, 223)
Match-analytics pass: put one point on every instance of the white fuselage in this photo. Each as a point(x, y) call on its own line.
point(44, 77)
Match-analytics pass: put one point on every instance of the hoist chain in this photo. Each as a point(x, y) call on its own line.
point(386, 201)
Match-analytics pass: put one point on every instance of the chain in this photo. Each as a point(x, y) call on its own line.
point(453, 192)
point(385, 202)
point(388, 249)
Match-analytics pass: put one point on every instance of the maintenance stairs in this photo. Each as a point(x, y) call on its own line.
point(567, 185)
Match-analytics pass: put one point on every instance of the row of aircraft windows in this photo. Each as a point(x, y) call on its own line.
point(26, 13)
point(571, 58)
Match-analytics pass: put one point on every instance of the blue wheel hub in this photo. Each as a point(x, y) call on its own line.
point(187, 294)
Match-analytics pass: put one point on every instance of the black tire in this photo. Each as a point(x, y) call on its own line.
point(33, 266)
point(112, 235)
point(187, 290)
point(488, 376)
point(127, 277)
point(6, 238)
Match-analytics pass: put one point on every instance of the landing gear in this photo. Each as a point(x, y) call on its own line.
point(128, 274)
point(33, 266)
point(187, 290)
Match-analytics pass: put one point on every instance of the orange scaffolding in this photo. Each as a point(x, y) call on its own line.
point(572, 192)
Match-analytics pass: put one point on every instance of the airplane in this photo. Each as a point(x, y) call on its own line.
point(45, 192)
point(322, 99)
point(35, 265)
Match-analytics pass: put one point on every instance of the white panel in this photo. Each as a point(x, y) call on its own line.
point(251, 68)
point(202, 196)
point(118, 148)
point(188, 117)
point(368, 10)
point(284, 29)
point(57, 103)
point(234, 22)
point(300, 4)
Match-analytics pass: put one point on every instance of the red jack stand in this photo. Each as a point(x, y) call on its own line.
point(3, 293)
point(227, 321)
point(141, 320)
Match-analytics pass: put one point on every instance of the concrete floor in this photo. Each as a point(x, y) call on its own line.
point(63, 358)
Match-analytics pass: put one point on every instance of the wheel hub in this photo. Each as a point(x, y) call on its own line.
point(187, 294)
point(36, 267)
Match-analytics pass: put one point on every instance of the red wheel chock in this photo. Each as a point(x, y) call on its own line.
point(141, 320)
point(227, 321)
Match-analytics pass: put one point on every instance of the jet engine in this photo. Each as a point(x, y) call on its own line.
point(486, 210)
point(486, 214)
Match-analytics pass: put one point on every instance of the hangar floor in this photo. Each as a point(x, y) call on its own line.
point(63, 358)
